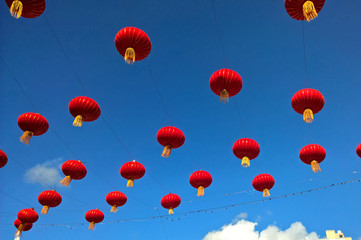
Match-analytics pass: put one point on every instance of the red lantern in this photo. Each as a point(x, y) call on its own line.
point(116, 199)
point(132, 170)
point(27, 227)
point(94, 216)
point(246, 149)
point(304, 9)
point(170, 137)
point(84, 109)
point(26, 8)
point(133, 44)
point(26, 216)
point(49, 199)
point(308, 102)
point(3, 159)
point(200, 180)
point(225, 83)
point(313, 154)
point(263, 183)
point(73, 170)
point(358, 150)
point(170, 202)
point(33, 124)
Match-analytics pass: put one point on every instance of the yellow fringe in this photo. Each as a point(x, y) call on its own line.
point(129, 56)
point(224, 96)
point(167, 151)
point(45, 210)
point(78, 121)
point(309, 11)
point(308, 115)
point(130, 183)
point(16, 9)
point(245, 162)
point(18, 232)
point(170, 211)
point(66, 181)
point(200, 191)
point(114, 209)
point(91, 226)
point(266, 193)
point(25, 138)
point(315, 166)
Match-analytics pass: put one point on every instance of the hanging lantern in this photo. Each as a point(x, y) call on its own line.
point(49, 199)
point(84, 109)
point(263, 183)
point(26, 8)
point(308, 102)
point(73, 170)
point(3, 159)
point(116, 199)
point(200, 180)
point(26, 216)
point(246, 149)
point(313, 154)
point(94, 216)
point(170, 202)
point(226, 83)
point(26, 227)
point(133, 44)
point(132, 170)
point(170, 137)
point(33, 124)
point(358, 150)
point(304, 9)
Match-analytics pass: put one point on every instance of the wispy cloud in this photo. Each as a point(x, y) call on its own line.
point(243, 229)
point(47, 173)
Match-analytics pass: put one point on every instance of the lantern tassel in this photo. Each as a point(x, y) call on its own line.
point(78, 121)
point(25, 138)
point(266, 193)
point(200, 191)
point(308, 115)
point(66, 181)
point(114, 209)
point(45, 210)
point(91, 226)
point(315, 166)
point(18, 232)
point(17, 238)
point(170, 211)
point(129, 56)
point(309, 11)
point(224, 96)
point(16, 9)
point(130, 183)
point(167, 151)
point(245, 162)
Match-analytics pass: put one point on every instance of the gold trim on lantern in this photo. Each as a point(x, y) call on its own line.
point(170, 211)
point(130, 182)
point(66, 181)
point(91, 226)
point(315, 166)
point(25, 138)
point(167, 151)
point(78, 121)
point(45, 210)
point(245, 162)
point(266, 193)
point(224, 96)
point(200, 191)
point(308, 115)
point(129, 55)
point(16, 9)
point(114, 209)
point(309, 11)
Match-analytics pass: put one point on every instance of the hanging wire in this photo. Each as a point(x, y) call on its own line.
point(304, 52)
point(240, 118)
point(218, 33)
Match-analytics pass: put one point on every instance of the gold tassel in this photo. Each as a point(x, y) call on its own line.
point(66, 181)
point(129, 56)
point(170, 211)
point(315, 167)
point(91, 226)
point(200, 191)
point(245, 162)
point(308, 115)
point(130, 183)
point(78, 121)
point(25, 138)
point(166, 151)
point(18, 232)
point(309, 11)
point(45, 210)
point(266, 193)
point(16, 9)
point(114, 209)
point(224, 96)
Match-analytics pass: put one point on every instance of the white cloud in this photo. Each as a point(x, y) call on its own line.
point(47, 173)
point(245, 230)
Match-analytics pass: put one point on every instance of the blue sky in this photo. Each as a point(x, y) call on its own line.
point(260, 41)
